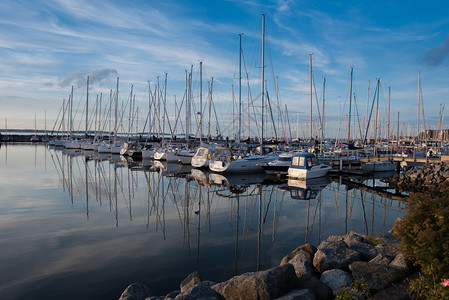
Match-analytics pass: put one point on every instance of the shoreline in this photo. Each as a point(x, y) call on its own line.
point(374, 263)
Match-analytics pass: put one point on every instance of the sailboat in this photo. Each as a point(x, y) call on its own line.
point(35, 138)
point(251, 163)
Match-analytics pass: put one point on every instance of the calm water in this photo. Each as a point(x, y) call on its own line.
point(76, 226)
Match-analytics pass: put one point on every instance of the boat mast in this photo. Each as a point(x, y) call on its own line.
point(350, 105)
point(419, 101)
point(263, 80)
point(201, 103)
point(240, 89)
point(87, 107)
point(377, 111)
point(116, 112)
point(311, 133)
point(71, 107)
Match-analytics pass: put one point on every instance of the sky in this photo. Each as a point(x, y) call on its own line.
point(46, 47)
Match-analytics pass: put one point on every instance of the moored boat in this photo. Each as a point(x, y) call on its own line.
point(305, 166)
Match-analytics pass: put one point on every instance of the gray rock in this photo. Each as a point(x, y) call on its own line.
point(397, 291)
point(307, 249)
point(334, 255)
point(377, 277)
point(361, 244)
point(135, 291)
point(303, 266)
point(390, 250)
point(336, 279)
point(190, 281)
point(199, 292)
point(319, 288)
point(306, 294)
point(400, 263)
point(172, 295)
point(218, 287)
point(261, 285)
point(380, 259)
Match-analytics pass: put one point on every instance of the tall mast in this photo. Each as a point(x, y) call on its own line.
point(116, 112)
point(71, 107)
point(310, 60)
point(322, 117)
point(388, 124)
point(377, 111)
point(350, 105)
point(201, 102)
point(263, 80)
point(419, 101)
point(87, 107)
point(240, 89)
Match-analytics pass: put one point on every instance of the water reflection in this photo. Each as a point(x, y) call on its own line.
point(177, 219)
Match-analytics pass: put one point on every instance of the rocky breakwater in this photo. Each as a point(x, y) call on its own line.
point(352, 265)
point(424, 179)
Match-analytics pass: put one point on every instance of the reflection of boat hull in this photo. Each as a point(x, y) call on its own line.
point(379, 166)
point(200, 177)
point(236, 179)
point(307, 189)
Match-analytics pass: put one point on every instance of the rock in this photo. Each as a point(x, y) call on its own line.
point(400, 263)
point(334, 255)
point(377, 277)
point(306, 294)
point(218, 287)
point(303, 266)
point(307, 249)
point(390, 250)
point(397, 291)
point(336, 279)
point(200, 292)
point(319, 288)
point(380, 259)
point(172, 295)
point(135, 291)
point(361, 244)
point(261, 285)
point(190, 281)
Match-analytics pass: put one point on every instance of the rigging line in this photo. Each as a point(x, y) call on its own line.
point(370, 114)
point(250, 95)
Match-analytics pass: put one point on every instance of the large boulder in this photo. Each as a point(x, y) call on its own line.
point(261, 285)
point(377, 277)
point(303, 266)
point(199, 292)
point(135, 291)
point(336, 279)
point(190, 281)
point(306, 249)
point(334, 255)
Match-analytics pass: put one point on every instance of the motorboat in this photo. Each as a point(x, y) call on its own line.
point(204, 154)
point(305, 166)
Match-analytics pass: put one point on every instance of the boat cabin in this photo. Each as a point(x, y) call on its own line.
point(304, 161)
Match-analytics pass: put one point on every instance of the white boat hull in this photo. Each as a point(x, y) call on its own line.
point(314, 172)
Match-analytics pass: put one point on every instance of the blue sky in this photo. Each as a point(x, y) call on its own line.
point(48, 46)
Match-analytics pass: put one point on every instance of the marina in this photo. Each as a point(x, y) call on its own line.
point(85, 220)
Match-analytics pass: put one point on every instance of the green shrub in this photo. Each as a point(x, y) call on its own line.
point(424, 236)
